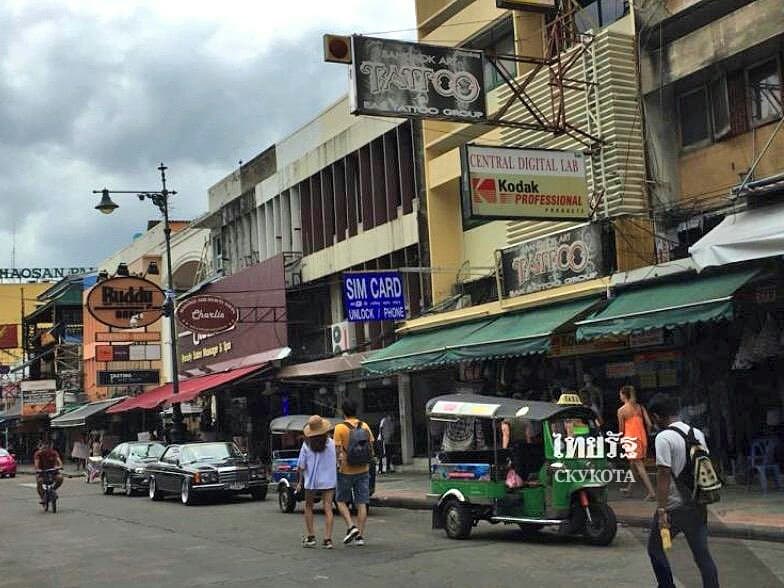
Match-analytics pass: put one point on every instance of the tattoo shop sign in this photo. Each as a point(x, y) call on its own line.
point(568, 257)
point(412, 80)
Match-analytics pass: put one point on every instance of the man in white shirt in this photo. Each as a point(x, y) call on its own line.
point(676, 511)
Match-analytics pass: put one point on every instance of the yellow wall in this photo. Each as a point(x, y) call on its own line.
point(708, 174)
point(11, 313)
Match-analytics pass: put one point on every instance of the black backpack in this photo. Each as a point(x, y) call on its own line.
point(698, 483)
point(358, 452)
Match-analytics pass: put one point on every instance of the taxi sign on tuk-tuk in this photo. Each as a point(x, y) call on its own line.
point(569, 398)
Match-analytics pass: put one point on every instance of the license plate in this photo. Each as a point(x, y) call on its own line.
point(237, 486)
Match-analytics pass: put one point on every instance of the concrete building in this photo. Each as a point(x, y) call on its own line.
point(711, 80)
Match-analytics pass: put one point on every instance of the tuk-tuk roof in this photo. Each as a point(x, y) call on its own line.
point(295, 422)
point(497, 407)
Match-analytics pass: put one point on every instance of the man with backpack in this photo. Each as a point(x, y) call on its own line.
point(354, 443)
point(685, 484)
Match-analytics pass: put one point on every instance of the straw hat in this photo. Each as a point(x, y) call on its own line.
point(317, 426)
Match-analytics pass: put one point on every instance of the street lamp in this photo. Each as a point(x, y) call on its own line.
point(160, 198)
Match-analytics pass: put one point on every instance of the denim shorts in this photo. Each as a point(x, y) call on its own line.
point(353, 488)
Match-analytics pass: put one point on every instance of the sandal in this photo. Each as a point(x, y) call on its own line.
point(327, 544)
point(309, 541)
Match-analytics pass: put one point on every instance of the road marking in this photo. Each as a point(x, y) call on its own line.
point(28, 485)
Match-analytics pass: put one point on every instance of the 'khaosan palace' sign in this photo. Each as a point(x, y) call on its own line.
point(41, 273)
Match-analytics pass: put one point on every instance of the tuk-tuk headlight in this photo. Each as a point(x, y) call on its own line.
point(138, 470)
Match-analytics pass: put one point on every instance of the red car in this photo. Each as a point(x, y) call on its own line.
point(7, 464)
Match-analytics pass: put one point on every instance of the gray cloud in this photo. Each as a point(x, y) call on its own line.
point(85, 103)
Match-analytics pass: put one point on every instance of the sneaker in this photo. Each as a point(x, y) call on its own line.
point(309, 541)
point(360, 540)
point(327, 544)
point(351, 534)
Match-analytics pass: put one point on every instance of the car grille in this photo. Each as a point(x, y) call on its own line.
point(233, 476)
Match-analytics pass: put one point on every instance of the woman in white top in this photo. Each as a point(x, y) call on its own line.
point(317, 474)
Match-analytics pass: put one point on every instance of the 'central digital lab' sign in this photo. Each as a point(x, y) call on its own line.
point(374, 296)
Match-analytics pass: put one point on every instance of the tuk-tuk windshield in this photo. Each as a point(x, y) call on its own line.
point(461, 434)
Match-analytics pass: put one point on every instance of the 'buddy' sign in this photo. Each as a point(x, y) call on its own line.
point(126, 302)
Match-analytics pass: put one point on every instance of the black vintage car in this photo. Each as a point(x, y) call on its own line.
point(194, 469)
point(124, 467)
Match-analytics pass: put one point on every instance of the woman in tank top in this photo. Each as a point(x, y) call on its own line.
point(633, 422)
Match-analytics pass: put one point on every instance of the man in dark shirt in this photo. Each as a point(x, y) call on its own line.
point(46, 458)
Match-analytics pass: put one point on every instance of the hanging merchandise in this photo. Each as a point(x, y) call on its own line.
point(766, 343)
point(744, 357)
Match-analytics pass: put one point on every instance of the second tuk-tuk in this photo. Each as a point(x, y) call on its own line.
point(287, 438)
point(549, 474)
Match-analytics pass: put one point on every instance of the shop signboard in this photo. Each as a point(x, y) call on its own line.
point(647, 338)
point(510, 183)
point(207, 314)
point(126, 302)
point(144, 352)
point(566, 345)
point(374, 296)
point(8, 337)
point(620, 370)
point(568, 257)
point(127, 377)
point(413, 80)
point(39, 397)
point(41, 273)
point(152, 336)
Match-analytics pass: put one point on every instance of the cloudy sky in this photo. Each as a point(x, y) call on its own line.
point(98, 92)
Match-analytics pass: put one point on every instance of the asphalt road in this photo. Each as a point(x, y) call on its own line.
point(97, 540)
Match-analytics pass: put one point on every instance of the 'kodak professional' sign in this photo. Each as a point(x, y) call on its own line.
point(504, 183)
point(126, 303)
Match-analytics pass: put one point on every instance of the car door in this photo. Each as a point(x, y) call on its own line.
point(167, 477)
point(122, 467)
point(111, 464)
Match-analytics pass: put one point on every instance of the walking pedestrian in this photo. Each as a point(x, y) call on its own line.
point(317, 474)
point(676, 510)
point(634, 423)
point(79, 453)
point(386, 437)
point(354, 442)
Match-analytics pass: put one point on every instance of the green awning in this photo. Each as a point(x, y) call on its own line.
point(509, 335)
point(667, 305)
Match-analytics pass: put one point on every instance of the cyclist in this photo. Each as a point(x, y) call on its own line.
point(47, 458)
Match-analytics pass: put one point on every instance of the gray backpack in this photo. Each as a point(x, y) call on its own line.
point(358, 450)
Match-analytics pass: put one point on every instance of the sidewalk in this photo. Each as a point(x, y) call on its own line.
point(739, 514)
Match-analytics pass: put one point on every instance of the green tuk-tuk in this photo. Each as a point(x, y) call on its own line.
point(550, 473)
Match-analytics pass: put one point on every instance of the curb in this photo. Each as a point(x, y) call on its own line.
point(715, 528)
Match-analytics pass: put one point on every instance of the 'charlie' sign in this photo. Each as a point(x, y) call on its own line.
point(373, 296)
point(400, 79)
point(512, 183)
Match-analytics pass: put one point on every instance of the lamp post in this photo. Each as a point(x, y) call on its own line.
point(160, 198)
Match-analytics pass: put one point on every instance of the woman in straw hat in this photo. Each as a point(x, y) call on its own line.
point(317, 473)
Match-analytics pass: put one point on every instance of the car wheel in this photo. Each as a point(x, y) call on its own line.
point(2, 476)
point(286, 500)
point(154, 493)
point(457, 520)
point(602, 527)
point(13, 475)
point(259, 493)
point(105, 488)
point(186, 493)
point(128, 486)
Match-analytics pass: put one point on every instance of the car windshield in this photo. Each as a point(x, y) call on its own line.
point(209, 451)
point(4, 453)
point(147, 450)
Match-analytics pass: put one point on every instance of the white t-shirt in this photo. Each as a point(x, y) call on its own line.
point(319, 469)
point(671, 452)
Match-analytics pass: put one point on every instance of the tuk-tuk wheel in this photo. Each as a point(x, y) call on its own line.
point(286, 500)
point(458, 520)
point(602, 527)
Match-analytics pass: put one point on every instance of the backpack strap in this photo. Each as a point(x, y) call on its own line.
point(349, 425)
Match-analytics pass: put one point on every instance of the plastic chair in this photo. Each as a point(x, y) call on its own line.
point(762, 461)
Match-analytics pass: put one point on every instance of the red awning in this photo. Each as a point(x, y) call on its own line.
point(189, 389)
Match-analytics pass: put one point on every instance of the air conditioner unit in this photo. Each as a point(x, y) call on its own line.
point(342, 337)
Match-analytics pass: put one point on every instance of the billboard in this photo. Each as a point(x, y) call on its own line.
point(510, 183)
point(8, 337)
point(563, 258)
point(373, 296)
point(412, 80)
point(39, 397)
point(126, 302)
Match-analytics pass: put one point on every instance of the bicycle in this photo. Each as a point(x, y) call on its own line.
point(50, 494)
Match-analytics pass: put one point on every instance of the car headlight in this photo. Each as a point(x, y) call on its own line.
point(138, 470)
